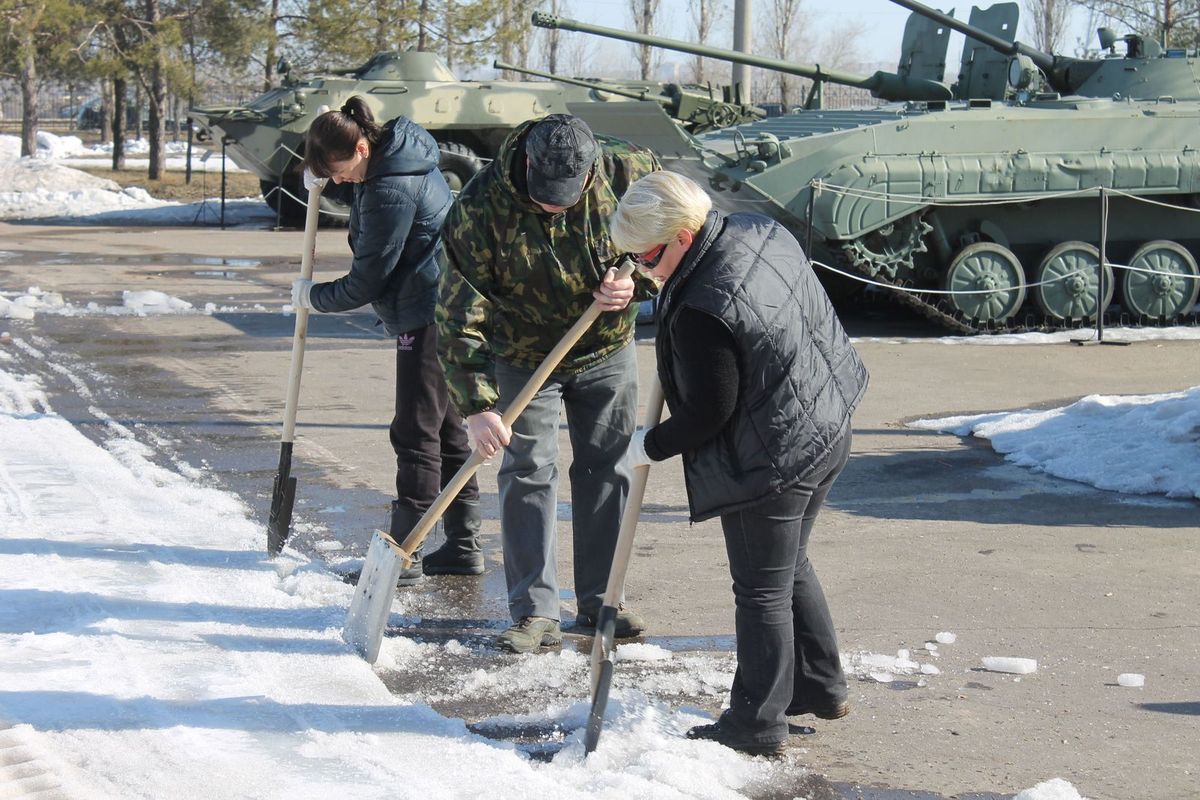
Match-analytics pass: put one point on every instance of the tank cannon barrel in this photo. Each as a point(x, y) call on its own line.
point(1045, 61)
point(884, 85)
point(645, 94)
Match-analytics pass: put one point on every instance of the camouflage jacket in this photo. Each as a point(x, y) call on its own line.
point(518, 278)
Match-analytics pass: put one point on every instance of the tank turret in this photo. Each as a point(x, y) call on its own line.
point(884, 85)
point(696, 108)
point(1145, 72)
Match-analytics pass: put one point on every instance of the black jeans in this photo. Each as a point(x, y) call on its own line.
point(786, 647)
point(426, 432)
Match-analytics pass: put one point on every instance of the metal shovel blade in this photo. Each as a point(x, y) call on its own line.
point(602, 670)
point(279, 523)
point(373, 598)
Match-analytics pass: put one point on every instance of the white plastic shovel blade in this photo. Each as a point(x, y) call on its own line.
point(373, 599)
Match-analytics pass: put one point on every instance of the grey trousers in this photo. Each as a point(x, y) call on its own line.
point(601, 406)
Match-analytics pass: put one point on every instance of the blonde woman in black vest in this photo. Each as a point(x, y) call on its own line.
point(761, 380)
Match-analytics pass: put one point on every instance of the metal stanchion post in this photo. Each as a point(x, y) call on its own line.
point(224, 141)
point(1100, 282)
point(187, 171)
point(279, 202)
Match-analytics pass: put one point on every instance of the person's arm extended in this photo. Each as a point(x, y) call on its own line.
point(706, 358)
point(387, 220)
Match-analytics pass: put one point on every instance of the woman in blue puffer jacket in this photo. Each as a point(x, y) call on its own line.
point(399, 202)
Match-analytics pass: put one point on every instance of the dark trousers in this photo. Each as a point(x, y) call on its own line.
point(786, 647)
point(427, 433)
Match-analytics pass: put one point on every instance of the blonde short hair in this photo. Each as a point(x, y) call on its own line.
point(655, 208)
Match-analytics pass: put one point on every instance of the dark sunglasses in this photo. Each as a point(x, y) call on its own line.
point(650, 258)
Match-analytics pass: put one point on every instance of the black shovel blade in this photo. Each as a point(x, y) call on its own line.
point(283, 497)
point(591, 735)
point(606, 629)
point(279, 524)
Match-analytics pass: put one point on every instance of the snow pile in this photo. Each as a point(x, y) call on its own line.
point(54, 147)
point(33, 175)
point(149, 648)
point(153, 302)
point(49, 146)
point(42, 188)
point(141, 303)
point(1056, 789)
point(1141, 444)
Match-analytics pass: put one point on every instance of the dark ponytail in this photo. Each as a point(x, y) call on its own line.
point(333, 136)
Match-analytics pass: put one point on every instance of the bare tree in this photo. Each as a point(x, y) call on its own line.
point(644, 13)
point(706, 14)
point(1048, 23)
point(1169, 22)
point(778, 31)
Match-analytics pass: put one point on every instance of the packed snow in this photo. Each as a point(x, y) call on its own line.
point(46, 187)
point(149, 648)
point(1138, 444)
point(141, 303)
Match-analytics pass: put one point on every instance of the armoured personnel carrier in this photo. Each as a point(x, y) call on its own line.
point(469, 119)
point(969, 199)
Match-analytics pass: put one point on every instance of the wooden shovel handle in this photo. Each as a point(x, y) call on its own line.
point(416, 536)
point(300, 334)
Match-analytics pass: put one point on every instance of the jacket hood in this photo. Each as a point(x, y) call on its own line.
point(405, 149)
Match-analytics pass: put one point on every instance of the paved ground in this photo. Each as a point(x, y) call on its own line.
point(924, 532)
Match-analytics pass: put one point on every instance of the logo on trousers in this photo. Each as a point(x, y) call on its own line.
point(405, 341)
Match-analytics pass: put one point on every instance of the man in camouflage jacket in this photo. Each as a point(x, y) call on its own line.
point(528, 250)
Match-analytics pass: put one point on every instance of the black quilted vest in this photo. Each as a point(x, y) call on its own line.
point(800, 378)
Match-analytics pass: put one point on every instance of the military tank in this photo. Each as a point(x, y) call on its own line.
point(979, 202)
point(469, 119)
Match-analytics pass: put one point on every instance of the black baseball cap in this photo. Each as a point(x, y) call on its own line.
point(560, 151)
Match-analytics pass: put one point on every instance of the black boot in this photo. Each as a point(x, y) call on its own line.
point(461, 554)
point(403, 520)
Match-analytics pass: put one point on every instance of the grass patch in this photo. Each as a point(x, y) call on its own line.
point(204, 185)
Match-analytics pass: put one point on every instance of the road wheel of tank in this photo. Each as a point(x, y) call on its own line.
point(458, 164)
point(988, 281)
point(1069, 278)
point(1163, 282)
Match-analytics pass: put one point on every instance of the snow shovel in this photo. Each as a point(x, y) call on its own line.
point(283, 496)
point(385, 557)
point(606, 621)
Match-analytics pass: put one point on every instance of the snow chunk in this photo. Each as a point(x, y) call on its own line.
point(639, 651)
point(1015, 666)
point(150, 301)
point(1131, 679)
point(1055, 789)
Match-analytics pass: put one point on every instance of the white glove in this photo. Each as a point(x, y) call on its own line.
point(301, 293)
point(311, 180)
point(638, 457)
